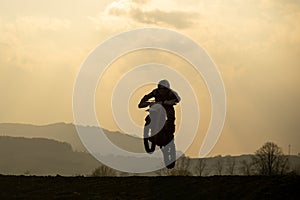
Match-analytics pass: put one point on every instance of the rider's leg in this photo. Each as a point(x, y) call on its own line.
point(147, 120)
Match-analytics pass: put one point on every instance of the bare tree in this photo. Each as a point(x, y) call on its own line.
point(27, 172)
point(230, 165)
point(270, 160)
point(246, 167)
point(180, 169)
point(175, 172)
point(296, 170)
point(219, 165)
point(201, 166)
point(183, 164)
point(104, 170)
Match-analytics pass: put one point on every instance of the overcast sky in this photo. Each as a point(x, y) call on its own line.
point(254, 43)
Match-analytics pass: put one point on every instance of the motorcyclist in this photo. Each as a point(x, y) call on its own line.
point(164, 95)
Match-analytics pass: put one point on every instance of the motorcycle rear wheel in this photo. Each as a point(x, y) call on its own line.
point(169, 153)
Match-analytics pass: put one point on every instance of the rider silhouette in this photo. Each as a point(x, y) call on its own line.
point(164, 95)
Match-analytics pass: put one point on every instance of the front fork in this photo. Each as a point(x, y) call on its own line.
point(147, 138)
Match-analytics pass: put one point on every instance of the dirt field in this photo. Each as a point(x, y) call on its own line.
point(216, 187)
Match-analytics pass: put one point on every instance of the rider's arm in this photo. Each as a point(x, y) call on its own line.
point(174, 100)
point(170, 102)
point(143, 103)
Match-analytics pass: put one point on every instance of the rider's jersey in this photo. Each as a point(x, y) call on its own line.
point(162, 94)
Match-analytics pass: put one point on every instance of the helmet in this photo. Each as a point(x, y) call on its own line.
point(164, 83)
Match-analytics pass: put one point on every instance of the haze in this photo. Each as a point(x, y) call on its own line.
point(254, 43)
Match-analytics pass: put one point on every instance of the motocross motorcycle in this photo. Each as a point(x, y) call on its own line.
point(157, 133)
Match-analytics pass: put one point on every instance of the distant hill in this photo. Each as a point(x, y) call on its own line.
point(24, 149)
point(67, 133)
point(42, 157)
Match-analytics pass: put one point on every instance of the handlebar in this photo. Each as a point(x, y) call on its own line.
point(150, 103)
point(146, 104)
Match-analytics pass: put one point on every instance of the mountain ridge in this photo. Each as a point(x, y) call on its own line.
point(66, 132)
point(43, 156)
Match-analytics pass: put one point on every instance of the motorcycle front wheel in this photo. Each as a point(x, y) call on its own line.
point(150, 148)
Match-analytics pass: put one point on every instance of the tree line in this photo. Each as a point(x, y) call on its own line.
point(267, 160)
